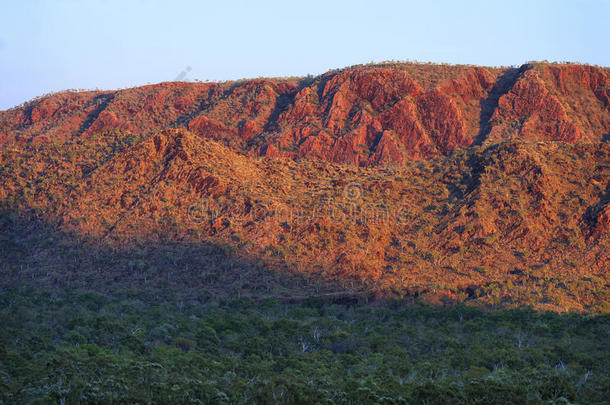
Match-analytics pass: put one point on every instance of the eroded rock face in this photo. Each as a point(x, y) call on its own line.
point(378, 116)
point(584, 93)
point(45, 109)
point(530, 111)
point(443, 121)
point(105, 121)
point(210, 128)
point(571, 79)
point(364, 116)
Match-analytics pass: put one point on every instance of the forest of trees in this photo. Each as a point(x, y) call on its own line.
point(72, 347)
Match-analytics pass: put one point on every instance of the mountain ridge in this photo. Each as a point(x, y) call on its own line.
point(368, 116)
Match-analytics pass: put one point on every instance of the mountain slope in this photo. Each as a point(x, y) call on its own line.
point(449, 183)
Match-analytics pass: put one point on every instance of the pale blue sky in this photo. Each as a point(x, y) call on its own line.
point(54, 45)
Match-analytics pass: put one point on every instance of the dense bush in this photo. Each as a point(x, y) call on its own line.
point(92, 348)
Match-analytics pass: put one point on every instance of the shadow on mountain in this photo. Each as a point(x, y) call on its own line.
point(36, 254)
point(488, 105)
point(101, 103)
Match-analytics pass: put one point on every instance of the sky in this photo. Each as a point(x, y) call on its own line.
point(48, 46)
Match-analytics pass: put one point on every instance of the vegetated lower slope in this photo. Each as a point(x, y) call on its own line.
point(86, 347)
point(449, 182)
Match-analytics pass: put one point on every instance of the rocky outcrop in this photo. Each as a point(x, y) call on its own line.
point(584, 93)
point(530, 111)
point(105, 121)
point(365, 116)
point(357, 111)
point(210, 128)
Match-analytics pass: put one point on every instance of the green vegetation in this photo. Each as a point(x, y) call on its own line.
point(85, 347)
